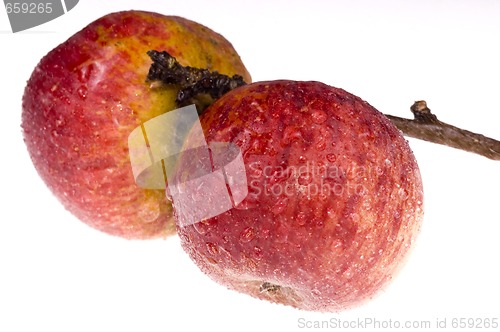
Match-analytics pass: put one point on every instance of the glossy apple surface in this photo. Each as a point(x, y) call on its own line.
point(85, 97)
point(334, 203)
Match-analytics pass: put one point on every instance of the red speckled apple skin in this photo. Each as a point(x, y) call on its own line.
point(335, 197)
point(85, 97)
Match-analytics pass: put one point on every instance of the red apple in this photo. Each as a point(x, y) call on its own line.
point(334, 203)
point(87, 95)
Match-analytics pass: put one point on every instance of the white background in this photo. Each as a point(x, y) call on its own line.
point(57, 274)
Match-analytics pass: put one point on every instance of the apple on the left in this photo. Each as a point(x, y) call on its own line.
point(86, 96)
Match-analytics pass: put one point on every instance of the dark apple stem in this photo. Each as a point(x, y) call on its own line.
point(197, 86)
point(269, 287)
point(202, 87)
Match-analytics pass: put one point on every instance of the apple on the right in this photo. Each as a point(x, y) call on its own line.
point(335, 197)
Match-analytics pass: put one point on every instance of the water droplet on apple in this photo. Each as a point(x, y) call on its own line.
point(282, 231)
point(257, 146)
point(150, 211)
point(264, 232)
point(66, 100)
point(316, 292)
point(318, 116)
point(85, 72)
point(291, 134)
point(297, 247)
point(331, 157)
point(257, 252)
point(280, 205)
point(320, 146)
point(320, 143)
point(247, 235)
point(82, 92)
point(260, 125)
point(319, 223)
point(60, 122)
point(305, 178)
point(301, 218)
point(212, 248)
point(250, 263)
point(225, 255)
point(243, 139)
point(336, 244)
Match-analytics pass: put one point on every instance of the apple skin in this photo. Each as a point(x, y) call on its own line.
point(335, 197)
point(85, 97)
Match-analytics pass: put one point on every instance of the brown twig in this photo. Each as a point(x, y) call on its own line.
point(427, 127)
point(196, 84)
